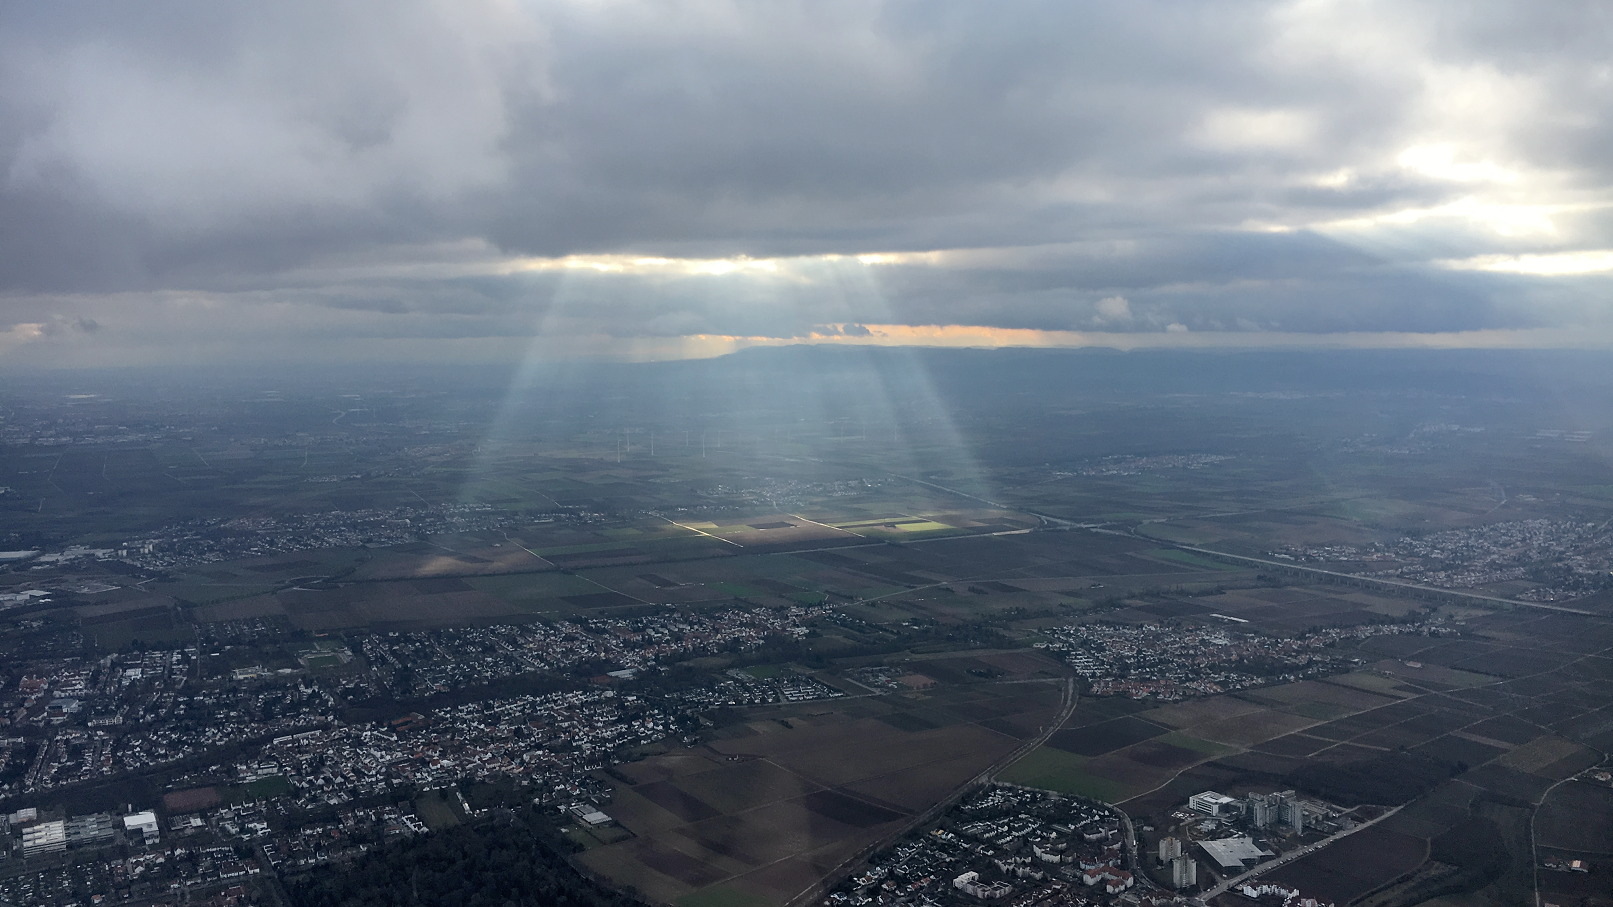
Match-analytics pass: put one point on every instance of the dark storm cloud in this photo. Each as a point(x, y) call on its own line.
point(373, 168)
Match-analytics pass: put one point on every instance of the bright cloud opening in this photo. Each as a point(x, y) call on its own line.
point(1558, 264)
point(1439, 162)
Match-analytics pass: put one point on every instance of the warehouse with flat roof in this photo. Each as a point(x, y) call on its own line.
point(1234, 854)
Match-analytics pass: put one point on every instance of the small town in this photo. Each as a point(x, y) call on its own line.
point(1014, 846)
point(1171, 663)
point(1558, 559)
point(317, 790)
point(137, 711)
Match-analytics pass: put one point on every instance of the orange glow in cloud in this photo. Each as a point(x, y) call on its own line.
point(985, 337)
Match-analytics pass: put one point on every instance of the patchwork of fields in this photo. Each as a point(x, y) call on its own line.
point(773, 803)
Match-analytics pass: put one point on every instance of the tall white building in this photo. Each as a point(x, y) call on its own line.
point(1293, 813)
point(1211, 803)
point(1266, 810)
point(1262, 810)
point(1184, 871)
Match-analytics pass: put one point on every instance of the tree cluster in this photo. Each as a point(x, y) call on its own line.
point(512, 859)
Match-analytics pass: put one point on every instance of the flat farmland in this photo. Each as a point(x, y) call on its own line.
point(765, 810)
point(880, 748)
point(429, 602)
point(1174, 751)
point(1545, 753)
point(450, 559)
point(914, 789)
point(1106, 736)
point(544, 593)
point(1294, 745)
point(1054, 769)
point(1251, 728)
point(1118, 773)
point(1577, 816)
point(1315, 699)
point(1196, 712)
point(735, 787)
point(1455, 748)
point(1354, 865)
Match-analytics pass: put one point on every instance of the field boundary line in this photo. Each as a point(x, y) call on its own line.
point(1071, 698)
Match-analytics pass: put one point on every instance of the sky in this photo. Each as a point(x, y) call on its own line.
point(445, 181)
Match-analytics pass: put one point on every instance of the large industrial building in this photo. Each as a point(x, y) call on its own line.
point(1233, 855)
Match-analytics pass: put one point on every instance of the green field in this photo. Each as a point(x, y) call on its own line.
point(1188, 557)
point(1056, 770)
point(438, 812)
point(259, 789)
point(1208, 748)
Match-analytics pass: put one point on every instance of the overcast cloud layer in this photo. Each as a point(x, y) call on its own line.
point(451, 180)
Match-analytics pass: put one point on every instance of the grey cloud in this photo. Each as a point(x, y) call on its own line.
point(267, 155)
point(62, 324)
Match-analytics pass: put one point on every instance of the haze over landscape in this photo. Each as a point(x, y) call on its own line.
point(806, 455)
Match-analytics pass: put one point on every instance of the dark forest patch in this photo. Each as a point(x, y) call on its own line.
point(515, 859)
